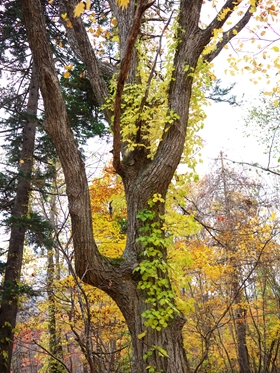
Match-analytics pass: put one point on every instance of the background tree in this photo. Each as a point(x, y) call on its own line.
point(262, 122)
point(11, 283)
point(74, 324)
point(239, 233)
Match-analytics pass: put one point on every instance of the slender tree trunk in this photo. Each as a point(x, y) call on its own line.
point(9, 301)
point(54, 366)
point(237, 293)
point(55, 346)
point(241, 328)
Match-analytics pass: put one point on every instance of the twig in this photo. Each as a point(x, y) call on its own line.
point(50, 354)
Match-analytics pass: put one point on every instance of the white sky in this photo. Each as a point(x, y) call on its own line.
point(224, 125)
point(223, 131)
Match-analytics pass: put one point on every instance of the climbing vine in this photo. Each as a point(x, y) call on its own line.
point(152, 268)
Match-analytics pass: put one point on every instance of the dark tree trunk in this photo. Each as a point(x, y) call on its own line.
point(241, 330)
point(9, 301)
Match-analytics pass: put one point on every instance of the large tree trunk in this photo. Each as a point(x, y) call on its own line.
point(142, 176)
point(170, 338)
point(9, 301)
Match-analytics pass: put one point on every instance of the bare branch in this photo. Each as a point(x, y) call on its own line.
point(256, 165)
point(50, 354)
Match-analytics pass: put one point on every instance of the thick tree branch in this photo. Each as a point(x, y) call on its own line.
point(189, 15)
point(125, 19)
point(222, 16)
point(106, 69)
point(230, 34)
point(192, 41)
point(88, 57)
point(57, 126)
point(190, 46)
point(124, 68)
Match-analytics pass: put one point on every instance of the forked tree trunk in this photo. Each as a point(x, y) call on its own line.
point(142, 176)
point(9, 301)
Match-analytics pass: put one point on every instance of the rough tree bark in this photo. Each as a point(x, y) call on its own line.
point(142, 176)
point(9, 301)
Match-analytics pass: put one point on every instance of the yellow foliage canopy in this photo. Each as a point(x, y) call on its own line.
point(81, 6)
point(108, 213)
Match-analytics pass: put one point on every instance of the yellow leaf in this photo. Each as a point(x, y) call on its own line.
point(98, 32)
point(275, 48)
point(142, 335)
point(66, 74)
point(79, 9)
point(69, 67)
point(64, 15)
point(123, 3)
point(69, 24)
point(88, 5)
point(21, 161)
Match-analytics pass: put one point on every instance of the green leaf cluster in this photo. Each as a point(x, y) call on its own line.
point(153, 269)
